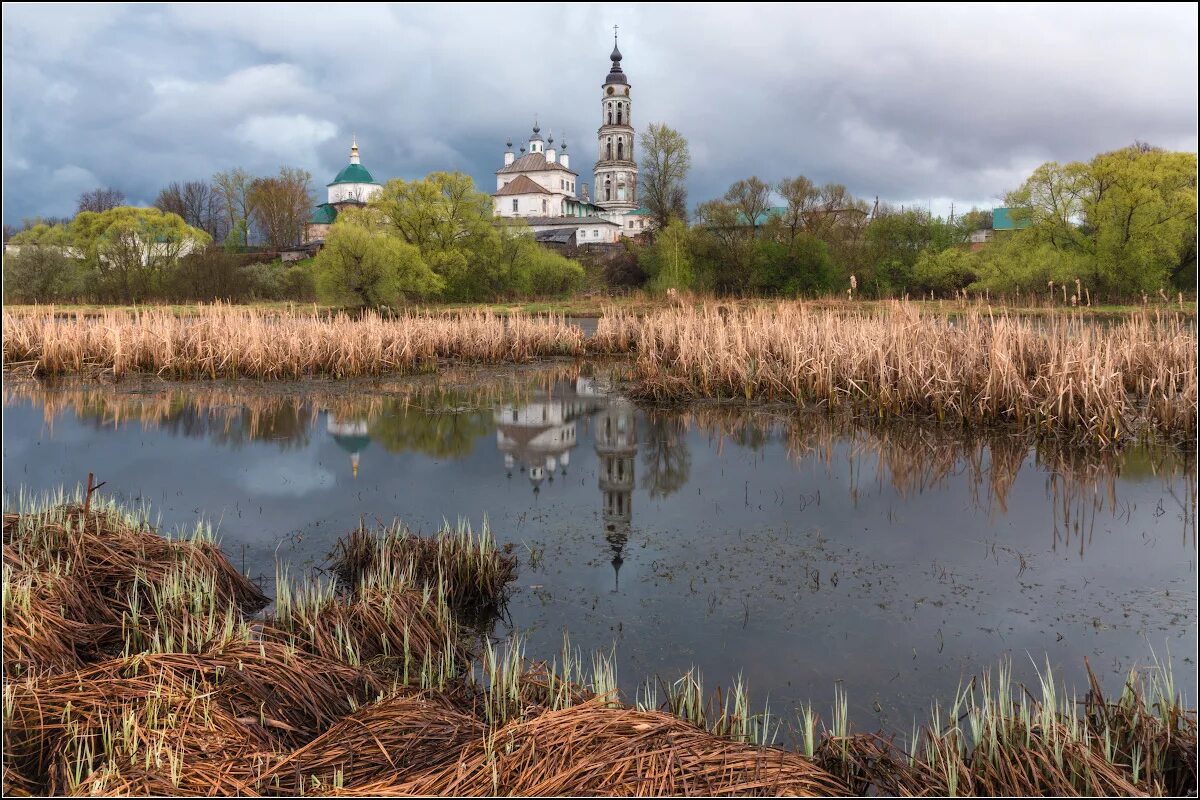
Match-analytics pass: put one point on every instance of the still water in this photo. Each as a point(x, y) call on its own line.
point(800, 551)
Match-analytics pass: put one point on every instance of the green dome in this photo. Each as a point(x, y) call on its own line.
point(351, 443)
point(352, 173)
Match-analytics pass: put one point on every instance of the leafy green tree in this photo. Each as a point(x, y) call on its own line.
point(799, 266)
point(366, 266)
point(664, 168)
point(131, 251)
point(1126, 220)
point(943, 272)
point(476, 256)
point(668, 261)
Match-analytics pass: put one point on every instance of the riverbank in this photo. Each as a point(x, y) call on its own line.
point(598, 305)
point(136, 664)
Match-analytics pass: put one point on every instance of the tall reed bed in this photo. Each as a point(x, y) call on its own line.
point(230, 341)
point(1059, 374)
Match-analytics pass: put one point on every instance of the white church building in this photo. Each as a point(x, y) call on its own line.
point(540, 187)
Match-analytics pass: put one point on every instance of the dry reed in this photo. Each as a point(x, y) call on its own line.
point(228, 341)
point(1060, 374)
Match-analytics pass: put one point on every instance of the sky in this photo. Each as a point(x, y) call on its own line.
point(917, 105)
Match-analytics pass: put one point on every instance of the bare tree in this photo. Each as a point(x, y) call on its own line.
point(281, 205)
point(233, 190)
point(665, 164)
point(751, 198)
point(100, 199)
point(197, 203)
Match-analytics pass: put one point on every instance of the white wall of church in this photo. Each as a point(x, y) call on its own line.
point(355, 192)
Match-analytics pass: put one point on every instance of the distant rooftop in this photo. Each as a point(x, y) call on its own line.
point(1003, 219)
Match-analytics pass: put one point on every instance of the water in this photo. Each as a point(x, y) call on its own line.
point(799, 551)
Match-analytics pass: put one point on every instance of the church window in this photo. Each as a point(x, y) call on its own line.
point(609, 149)
point(610, 90)
point(608, 190)
point(621, 192)
point(619, 113)
point(620, 149)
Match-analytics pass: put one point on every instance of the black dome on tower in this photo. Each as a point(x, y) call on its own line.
point(615, 75)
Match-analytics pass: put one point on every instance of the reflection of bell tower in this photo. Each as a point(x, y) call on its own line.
point(616, 445)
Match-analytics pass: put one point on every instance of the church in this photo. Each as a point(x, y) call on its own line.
point(540, 187)
point(351, 188)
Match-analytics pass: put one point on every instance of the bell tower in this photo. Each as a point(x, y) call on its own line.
point(616, 170)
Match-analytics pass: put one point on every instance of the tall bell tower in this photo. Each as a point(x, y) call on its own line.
point(616, 170)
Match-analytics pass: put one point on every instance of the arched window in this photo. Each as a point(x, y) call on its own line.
point(620, 149)
point(609, 149)
point(607, 189)
point(619, 113)
point(610, 113)
point(621, 192)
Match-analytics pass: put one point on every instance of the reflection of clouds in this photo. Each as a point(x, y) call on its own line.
point(285, 475)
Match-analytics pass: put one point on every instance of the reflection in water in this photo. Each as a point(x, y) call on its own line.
point(535, 416)
point(800, 547)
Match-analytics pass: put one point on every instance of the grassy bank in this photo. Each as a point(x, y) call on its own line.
point(639, 302)
point(1102, 383)
point(136, 664)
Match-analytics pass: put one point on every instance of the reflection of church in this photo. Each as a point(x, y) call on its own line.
point(351, 435)
point(537, 437)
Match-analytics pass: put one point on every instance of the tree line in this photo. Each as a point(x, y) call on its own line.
point(429, 239)
point(1123, 224)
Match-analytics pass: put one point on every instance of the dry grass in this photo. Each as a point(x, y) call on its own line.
point(1060, 374)
point(370, 687)
point(230, 341)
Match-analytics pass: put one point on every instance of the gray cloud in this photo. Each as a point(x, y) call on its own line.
point(913, 104)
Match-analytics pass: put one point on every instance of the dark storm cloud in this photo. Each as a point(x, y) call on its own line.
point(914, 104)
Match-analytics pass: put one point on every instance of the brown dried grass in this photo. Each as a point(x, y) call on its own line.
point(1060, 374)
point(230, 341)
point(591, 749)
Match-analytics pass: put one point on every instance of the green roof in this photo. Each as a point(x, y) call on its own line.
point(351, 443)
point(352, 173)
point(763, 216)
point(1002, 219)
point(323, 214)
point(641, 212)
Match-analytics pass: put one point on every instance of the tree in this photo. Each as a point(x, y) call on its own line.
point(1126, 219)
point(280, 206)
point(100, 200)
point(668, 261)
point(197, 203)
point(798, 266)
point(664, 169)
point(130, 250)
point(233, 192)
point(369, 267)
point(750, 198)
point(943, 272)
point(44, 268)
point(451, 225)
